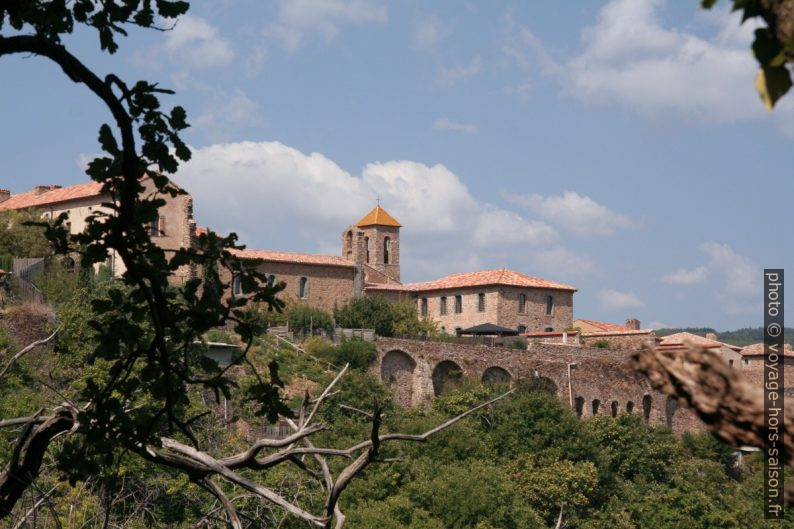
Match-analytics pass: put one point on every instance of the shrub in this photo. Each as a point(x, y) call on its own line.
point(356, 352)
point(302, 318)
point(219, 335)
point(600, 344)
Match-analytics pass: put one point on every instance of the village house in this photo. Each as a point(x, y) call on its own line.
point(173, 230)
point(615, 336)
point(682, 340)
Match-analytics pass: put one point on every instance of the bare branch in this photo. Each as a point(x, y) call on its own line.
point(228, 506)
point(26, 350)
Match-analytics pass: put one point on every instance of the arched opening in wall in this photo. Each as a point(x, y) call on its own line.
point(579, 405)
point(669, 410)
point(386, 249)
point(629, 407)
point(446, 375)
point(496, 375)
point(349, 242)
point(596, 406)
point(397, 371)
point(366, 249)
point(646, 408)
point(614, 408)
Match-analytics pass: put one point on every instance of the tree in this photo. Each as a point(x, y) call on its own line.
point(133, 395)
point(18, 238)
point(773, 46)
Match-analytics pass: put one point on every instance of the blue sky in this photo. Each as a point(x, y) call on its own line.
point(618, 146)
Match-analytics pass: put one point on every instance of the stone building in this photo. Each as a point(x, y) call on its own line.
point(615, 336)
point(501, 297)
point(682, 340)
point(370, 266)
point(173, 230)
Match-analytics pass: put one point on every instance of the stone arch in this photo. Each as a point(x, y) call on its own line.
point(629, 407)
point(596, 406)
point(579, 404)
point(447, 374)
point(397, 372)
point(496, 375)
point(646, 408)
point(614, 408)
point(670, 407)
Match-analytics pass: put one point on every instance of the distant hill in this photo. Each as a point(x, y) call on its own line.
point(741, 337)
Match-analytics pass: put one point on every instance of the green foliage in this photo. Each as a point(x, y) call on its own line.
point(354, 351)
point(219, 336)
point(600, 344)
point(774, 79)
point(303, 319)
point(386, 317)
point(18, 238)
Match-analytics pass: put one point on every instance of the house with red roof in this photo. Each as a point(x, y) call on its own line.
point(173, 230)
point(614, 335)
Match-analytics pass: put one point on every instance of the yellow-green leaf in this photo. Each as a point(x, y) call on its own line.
point(772, 84)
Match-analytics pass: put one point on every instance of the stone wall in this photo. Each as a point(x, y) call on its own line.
point(601, 382)
point(326, 286)
point(620, 340)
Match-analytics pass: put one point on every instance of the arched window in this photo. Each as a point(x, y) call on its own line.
point(303, 287)
point(386, 249)
point(596, 405)
point(236, 285)
point(646, 408)
point(629, 407)
point(522, 303)
point(614, 408)
point(271, 280)
point(366, 248)
point(579, 406)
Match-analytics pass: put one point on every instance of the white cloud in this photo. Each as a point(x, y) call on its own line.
point(447, 124)
point(630, 58)
point(428, 32)
point(455, 74)
point(616, 300)
point(278, 197)
point(197, 43)
point(575, 213)
point(733, 279)
point(682, 276)
point(297, 18)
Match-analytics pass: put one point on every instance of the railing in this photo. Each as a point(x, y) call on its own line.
point(24, 269)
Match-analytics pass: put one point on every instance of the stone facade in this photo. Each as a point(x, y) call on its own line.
point(501, 308)
point(601, 382)
point(324, 287)
point(620, 339)
point(174, 229)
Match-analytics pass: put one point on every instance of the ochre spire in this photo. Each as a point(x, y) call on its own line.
point(378, 217)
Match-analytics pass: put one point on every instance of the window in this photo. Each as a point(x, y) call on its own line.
point(730, 363)
point(424, 307)
point(746, 361)
point(548, 329)
point(458, 331)
point(237, 288)
point(157, 227)
point(386, 249)
point(549, 305)
point(303, 288)
point(481, 302)
point(522, 303)
point(522, 329)
point(443, 305)
point(458, 304)
point(366, 248)
point(271, 280)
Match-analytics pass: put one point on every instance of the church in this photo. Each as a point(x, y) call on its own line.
point(369, 265)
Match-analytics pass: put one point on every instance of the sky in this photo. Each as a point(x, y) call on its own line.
point(617, 146)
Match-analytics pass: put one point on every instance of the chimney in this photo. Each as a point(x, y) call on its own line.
point(711, 336)
point(38, 190)
point(5, 194)
point(633, 324)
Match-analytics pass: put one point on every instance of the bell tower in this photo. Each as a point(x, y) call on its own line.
point(374, 244)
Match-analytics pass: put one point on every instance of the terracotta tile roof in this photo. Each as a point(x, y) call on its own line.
point(627, 332)
point(293, 257)
point(606, 326)
point(572, 334)
point(501, 276)
point(378, 217)
point(387, 287)
point(757, 349)
point(687, 337)
point(53, 196)
point(201, 230)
